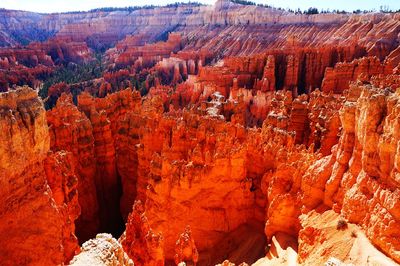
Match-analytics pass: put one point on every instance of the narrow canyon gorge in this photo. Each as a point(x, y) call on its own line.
point(190, 134)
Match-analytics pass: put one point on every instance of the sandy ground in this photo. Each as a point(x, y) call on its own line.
point(347, 247)
point(283, 251)
point(364, 253)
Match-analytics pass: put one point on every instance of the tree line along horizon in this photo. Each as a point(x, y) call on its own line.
point(309, 11)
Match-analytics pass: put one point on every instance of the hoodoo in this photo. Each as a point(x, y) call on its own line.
point(232, 134)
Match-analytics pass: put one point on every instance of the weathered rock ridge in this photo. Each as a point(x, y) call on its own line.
point(263, 176)
point(179, 152)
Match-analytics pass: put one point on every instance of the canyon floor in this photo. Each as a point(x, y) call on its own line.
point(232, 134)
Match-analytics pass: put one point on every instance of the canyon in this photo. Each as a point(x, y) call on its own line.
point(231, 134)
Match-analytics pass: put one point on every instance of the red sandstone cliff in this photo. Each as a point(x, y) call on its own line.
point(38, 190)
point(140, 241)
point(234, 145)
point(281, 177)
point(263, 176)
point(337, 79)
point(72, 131)
point(361, 180)
point(311, 43)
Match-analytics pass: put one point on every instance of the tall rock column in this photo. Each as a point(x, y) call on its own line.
point(269, 75)
point(71, 130)
point(32, 222)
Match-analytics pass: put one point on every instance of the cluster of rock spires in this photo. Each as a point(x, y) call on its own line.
point(261, 136)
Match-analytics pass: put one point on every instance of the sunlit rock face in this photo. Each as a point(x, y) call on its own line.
point(102, 250)
point(212, 135)
point(38, 192)
point(371, 179)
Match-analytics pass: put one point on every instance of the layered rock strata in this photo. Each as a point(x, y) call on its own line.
point(71, 130)
point(38, 190)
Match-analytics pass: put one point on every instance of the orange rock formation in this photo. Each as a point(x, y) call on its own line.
point(185, 250)
point(139, 241)
point(70, 130)
point(257, 142)
point(38, 189)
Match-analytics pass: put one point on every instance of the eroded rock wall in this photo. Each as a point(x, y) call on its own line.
point(38, 190)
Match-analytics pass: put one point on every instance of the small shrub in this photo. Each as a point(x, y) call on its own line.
point(311, 11)
point(341, 225)
point(243, 2)
point(354, 234)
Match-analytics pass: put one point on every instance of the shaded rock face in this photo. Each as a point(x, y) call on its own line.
point(38, 190)
point(101, 134)
point(98, 134)
point(61, 176)
point(71, 130)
